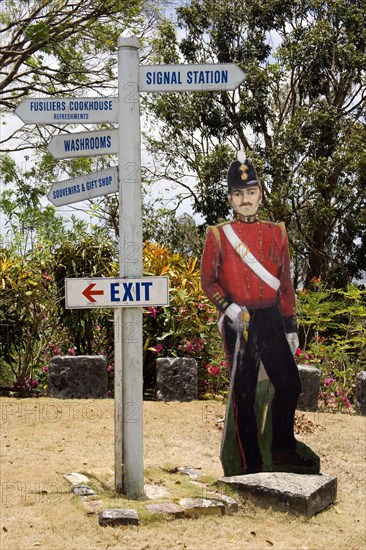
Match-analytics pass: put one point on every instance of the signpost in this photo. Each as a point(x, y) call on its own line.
point(57, 110)
point(189, 78)
point(95, 184)
point(86, 293)
point(84, 144)
point(128, 293)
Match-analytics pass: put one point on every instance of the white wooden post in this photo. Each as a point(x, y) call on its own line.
point(129, 468)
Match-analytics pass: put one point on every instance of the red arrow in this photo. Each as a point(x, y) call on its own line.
point(89, 292)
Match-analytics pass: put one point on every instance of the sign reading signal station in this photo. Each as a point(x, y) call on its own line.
point(189, 78)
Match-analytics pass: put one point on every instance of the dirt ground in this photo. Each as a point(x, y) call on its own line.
point(43, 439)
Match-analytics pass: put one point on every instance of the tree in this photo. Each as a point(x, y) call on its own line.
point(298, 114)
point(178, 233)
point(60, 48)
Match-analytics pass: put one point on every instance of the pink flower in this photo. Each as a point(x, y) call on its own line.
point(198, 344)
point(346, 401)
point(188, 346)
point(298, 351)
point(110, 368)
point(34, 383)
point(201, 306)
point(213, 370)
point(45, 368)
point(183, 310)
point(156, 348)
point(71, 351)
point(328, 381)
point(151, 311)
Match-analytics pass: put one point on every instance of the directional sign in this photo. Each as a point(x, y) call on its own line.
point(84, 144)
point(189, 78)
point(50, 110)
point(107, 292)
point(95, 184)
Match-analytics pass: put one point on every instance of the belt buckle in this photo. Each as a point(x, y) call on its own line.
point(242, 250)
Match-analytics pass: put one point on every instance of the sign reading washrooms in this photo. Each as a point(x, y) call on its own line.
point(107, 292)
point(83, 188)
point(189, 78)
point(84, 144)
point(51, 110)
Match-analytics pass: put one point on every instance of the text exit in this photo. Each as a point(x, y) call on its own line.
point(107, 292)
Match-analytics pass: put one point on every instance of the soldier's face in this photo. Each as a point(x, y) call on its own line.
point(245, 201)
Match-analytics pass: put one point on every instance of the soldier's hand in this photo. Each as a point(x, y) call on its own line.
point(238, 317)
point(293, 341)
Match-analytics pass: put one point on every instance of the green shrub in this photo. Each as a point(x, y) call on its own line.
point(333, 336)
point(27, 316)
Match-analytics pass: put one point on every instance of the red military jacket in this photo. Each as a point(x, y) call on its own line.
point(225, 278)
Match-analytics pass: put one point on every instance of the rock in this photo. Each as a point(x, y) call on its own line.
point(155, 491)
point(310, 379)
point(118, 516)
point(230, 503)
point(78, 377)
point(189, 471)
point(360, 403)
point(166, 508)
point(176, 379)
point(76, 479)
point(294, 493)
point(92, 506)
point(83, 491)
point(195, 507)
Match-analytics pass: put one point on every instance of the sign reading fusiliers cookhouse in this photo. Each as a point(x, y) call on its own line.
point(131, 291)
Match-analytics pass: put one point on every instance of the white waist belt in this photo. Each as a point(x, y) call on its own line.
point(251, 261)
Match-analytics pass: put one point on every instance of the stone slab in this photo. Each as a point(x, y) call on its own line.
point(361, 393)
point(294, 493)
point(176, 379)
point(118, 516)
point(189, 471)
point(83, 491)
point(166, 508)
point(93, 506)
point(310, 381)
point(78, 377)
point(76, 479)
point(152, 490)
point(195, 507)
point(230, 503)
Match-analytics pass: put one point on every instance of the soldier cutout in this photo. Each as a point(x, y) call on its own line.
point(245, 273)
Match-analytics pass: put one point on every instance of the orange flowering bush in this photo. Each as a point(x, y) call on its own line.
point(187, 327)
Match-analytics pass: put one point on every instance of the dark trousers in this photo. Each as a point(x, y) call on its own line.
point(267, 343)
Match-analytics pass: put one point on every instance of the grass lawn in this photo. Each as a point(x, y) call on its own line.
point(43, 439)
